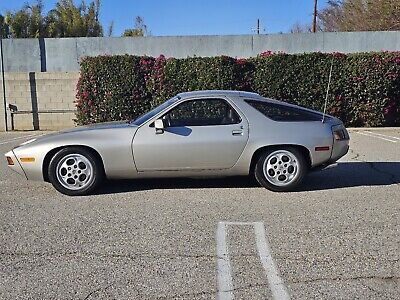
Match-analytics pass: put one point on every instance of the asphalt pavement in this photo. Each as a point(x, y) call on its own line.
point(337, 237)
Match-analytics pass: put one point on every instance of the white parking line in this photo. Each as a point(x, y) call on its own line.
point(18, 138)
point(384, 135)
point(377, 137)
point(224, 274)
point(276, 283)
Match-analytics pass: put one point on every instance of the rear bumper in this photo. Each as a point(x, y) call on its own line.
point(340, 149)
point(338, 152)
point(16, 165)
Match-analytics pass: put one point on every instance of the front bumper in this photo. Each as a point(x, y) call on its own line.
point(14, 164)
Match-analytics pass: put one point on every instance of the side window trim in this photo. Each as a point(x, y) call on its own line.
point(307, 115)
point(238, 116)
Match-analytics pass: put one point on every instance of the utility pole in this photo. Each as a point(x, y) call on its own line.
point(314, 27)
point(3, 77)
point(258, 27)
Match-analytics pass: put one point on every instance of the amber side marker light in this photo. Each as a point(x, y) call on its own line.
point(9, 161)
point(27, 159)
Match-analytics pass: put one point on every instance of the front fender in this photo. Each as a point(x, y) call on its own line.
point(113, 145)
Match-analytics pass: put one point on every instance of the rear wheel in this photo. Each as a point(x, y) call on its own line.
point(75, 171)
point(281, 170)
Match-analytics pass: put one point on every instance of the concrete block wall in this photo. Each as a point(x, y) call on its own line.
point(51, 94)
point(64, 55)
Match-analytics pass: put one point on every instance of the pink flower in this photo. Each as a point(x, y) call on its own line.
point(390, 108)
point(266, 53)
point(240, 61)
point(391, 75)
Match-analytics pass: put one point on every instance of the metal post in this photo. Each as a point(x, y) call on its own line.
point(314, 27)
point(258, 26)
point(3, 77)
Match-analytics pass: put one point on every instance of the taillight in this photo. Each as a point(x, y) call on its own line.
point(340, 133)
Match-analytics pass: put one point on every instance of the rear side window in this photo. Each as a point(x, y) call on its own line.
point(278, 112)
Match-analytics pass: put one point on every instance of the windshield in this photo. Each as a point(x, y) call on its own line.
point(145, 117)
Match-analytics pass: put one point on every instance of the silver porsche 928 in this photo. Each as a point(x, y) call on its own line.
point(203, 133)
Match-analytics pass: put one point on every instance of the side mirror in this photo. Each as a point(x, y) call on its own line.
point(159, 125)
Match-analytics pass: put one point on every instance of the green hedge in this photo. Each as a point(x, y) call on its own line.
point(365, 88)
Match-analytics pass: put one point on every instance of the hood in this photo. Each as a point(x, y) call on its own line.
point(105, 125)
point(97, 126)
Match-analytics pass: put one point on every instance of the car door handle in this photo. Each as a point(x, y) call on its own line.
point(237, 132)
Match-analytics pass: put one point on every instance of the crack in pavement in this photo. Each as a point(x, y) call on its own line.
point(239, 288)
point(97, 290)
point(358, 279)
point(325, 258)
point(385, 278)
point(187, 294)
point(137, 255)
point(110, 255)
point(379, 293)
point(129, 256)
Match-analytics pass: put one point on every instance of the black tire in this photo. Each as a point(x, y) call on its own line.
point(91, 165)
point(270, 179)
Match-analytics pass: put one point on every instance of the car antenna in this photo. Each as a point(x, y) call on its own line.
point(327, 92)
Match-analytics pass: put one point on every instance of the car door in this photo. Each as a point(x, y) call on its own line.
point(207, 133)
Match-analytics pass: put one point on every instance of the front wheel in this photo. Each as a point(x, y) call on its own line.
point(75, 171)
point(281, 170)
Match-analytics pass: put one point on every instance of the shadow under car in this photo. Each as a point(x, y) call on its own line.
point(340, 175)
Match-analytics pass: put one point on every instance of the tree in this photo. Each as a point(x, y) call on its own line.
point(25, 23)
point(110, 29)
point(300, 28)
point(360, 15)
point(140, 29)
point(65, 20)
point(68, 20)
point(5, 27)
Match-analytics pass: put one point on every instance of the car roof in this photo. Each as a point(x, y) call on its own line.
point(241, 94)
point(218, 93)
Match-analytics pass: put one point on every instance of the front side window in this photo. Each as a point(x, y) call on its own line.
point(202, 112)
point(147, 116)
point(279, 112)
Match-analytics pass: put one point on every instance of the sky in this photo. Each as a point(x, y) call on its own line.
point(196, 17)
